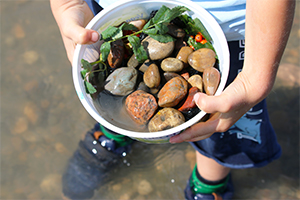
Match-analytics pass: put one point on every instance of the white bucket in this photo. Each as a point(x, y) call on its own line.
point(130, 10)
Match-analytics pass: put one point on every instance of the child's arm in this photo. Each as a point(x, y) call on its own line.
point(72, 16)
point(268, 24)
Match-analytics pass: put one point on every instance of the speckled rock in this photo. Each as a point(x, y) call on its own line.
point(141, 106)
point(202, 58)
point(165, 119)
point(171, 65)
point(172, 92)
point(116, 54)
point(196, 81)
point(157, 50)
point(122, 81)
point(152, 76)
point(211, 80)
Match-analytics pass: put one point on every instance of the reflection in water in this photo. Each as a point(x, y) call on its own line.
point(42, 122)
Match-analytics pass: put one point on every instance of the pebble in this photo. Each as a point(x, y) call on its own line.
point(116, 54)
point(152, 76)
point(18, 31)
point(30, 57)
point(172, 92)
point(211, 80)
point(20, 126)
point(202, 58)
point(145, 65)
point(141, 106)
point(169, 75)
point(157, 50)
point(121, 81)
point(196, 81)
point(30, 111)
point(189, 103)
point(165, 119)
point(175, 31)
point(133, 62)
point(144, 187)
point(51, 184)
point(172, 65)
point(139, 24)
point(184, 53)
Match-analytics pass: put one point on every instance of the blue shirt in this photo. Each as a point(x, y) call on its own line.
point(230, 14)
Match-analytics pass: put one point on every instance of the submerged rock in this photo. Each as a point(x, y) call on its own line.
point(157, 50)
point(152, 76)
point(141, 106)
point(165, 119)
point(122, 81)
point(211, 80)
point(172, 92)
point(202, 58)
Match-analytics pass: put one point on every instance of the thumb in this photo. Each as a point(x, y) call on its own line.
point(211, 104)
point(80, 35)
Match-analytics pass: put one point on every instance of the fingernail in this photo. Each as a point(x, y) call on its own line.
point(196, 97)
point(95, 37)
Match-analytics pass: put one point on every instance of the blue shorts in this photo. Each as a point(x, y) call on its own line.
point(251, 141)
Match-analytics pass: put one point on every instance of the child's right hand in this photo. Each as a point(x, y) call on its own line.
point(72, 17)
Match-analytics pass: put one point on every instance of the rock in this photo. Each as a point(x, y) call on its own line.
point(142, 86)
point(31, 112)
point(172, 92)
point(189, 102)
point(184, 53)
point(20, 126)
point(175, 31)
point(171, 65)
point(139, 24)
point(116, 54)
point(51, 184)
point(121, 81)
point(144, 187)
point(169, 75)
point(211, 80)
point(165, 119)
point(141, 106)
point(133, 62)
point(202, 58)
point(145, 65)
point(152, 76)
point(185, 75)
point(157, 50)
point(196, 81)
point(30, 57)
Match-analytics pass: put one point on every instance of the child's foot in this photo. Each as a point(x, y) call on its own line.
point(92, 162)
point(223, 191)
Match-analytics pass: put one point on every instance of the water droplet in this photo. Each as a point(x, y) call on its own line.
point(94, 142)
point(172, 180)
point(94, 151)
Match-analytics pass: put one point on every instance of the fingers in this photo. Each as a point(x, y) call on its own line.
point(197, 132)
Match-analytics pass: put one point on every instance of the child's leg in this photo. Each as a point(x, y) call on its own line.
point(209, 169)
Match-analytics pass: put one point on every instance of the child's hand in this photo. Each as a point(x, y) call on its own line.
point(72, 17)
point(227, 108)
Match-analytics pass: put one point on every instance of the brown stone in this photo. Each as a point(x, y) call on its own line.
point(189, 102)
point(172, 92)
point(171, 65)
point(165, 119)
point(202, 58)
point(152, 76)
point(116, 54)
point(211, 80)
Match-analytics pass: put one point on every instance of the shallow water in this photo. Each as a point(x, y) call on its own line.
point(42, 122)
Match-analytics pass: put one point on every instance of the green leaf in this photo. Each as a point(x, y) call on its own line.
point(138, 50)
point(160, 14)
point(175, 12)
point(162, 38)
point(109, 32)
point(149, 23)
point(129, 27)
point(151, 31)
point(86, 65)
point(89, 88)
point(202, 29)
point(83, 73)
point(162, 28)
point(105, 49)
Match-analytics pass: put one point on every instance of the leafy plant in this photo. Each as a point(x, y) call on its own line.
point(156, 28)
